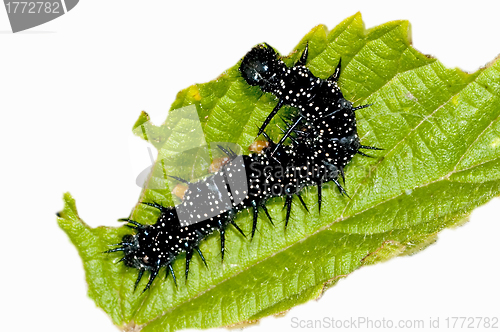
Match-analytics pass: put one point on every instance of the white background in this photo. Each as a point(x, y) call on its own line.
point(71, 89)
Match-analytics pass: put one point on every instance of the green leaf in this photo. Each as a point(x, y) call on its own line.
point(441, 137)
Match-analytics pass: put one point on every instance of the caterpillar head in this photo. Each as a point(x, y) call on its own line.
point(261, 67)
point(142, 249)
point(136, 253)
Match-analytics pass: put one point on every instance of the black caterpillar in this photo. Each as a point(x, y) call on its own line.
point(323, 140)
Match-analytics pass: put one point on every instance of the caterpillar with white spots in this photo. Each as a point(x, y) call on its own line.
point(323, 140)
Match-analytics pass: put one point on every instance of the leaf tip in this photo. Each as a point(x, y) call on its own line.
point(139, 126)
point(69, 208)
